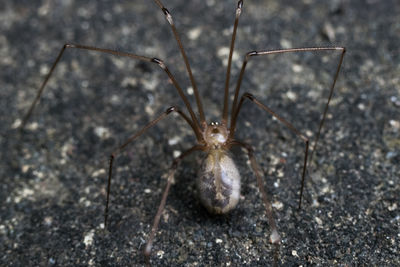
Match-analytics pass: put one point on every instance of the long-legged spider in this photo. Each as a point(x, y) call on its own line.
point(218, 181)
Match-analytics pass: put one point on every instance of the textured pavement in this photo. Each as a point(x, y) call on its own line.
point(54, 176)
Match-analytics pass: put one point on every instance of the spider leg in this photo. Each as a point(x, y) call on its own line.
point(171, 175)
point(252, 54)
point(228, 69)
point(274, 237)
point(287, 124)
point(130, 140)
point(168, 16)
point(236, 106)
point(159, 62)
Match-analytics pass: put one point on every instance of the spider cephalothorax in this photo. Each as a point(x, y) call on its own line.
point(215, 135)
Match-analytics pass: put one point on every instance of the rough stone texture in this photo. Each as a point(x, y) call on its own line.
point(54, 175)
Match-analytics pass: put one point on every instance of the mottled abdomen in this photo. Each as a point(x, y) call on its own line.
point(218, 182)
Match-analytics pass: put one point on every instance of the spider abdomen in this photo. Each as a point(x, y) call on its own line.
point(218, 182)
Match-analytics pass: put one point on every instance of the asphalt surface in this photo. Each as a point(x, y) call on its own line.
point(54, 175)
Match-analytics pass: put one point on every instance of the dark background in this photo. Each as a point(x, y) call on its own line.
point(54, 175)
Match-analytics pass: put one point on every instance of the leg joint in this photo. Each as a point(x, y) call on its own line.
point(250, 54)
point(249, 96)
point(172, 109)
point(159, 62)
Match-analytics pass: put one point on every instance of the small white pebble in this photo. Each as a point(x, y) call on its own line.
point(88, 239)
point(147, 191)
point(318, 220)
point(65, 149)
point(325, 189)
point(291, 95)
point(395, 124)
point(150, 85)
point(118, 62)
point(25, 168)
point(43, 11)
point(176, 153)
point(210, 3)
point(44, 69)
point(189, 90)
point(393, 207)
point(32, 126)
point(361, 106)
point(329, 31)
point(285, 43)
point(194, 33)
point(129, 81)
point(395, 100)
point(275, 237)
point(160, 254)
point(294, 253)
point(26, 192)
point(115, 100)
point(87, 203)
point(174, 140)
point(297, 68)
point(277, 205)
point(38, 174)
point(309, 133)
point(223, 51)
point(218, 241)
point(102, 132)
point(223, 54)
point(149, 110)
point(2, 229)
point(85, 83)
point(99, 173)
point(274, 159)
point(16, 124)
point(48, 220)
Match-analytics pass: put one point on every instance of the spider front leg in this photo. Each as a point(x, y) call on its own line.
point(157, 61)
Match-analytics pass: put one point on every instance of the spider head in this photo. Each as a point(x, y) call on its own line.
point(215, 135)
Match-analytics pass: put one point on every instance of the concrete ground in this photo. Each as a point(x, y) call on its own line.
point(54, 175)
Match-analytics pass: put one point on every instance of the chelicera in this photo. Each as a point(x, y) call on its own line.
point(218, 180)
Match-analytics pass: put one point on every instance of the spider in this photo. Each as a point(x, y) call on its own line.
point(218, 180)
